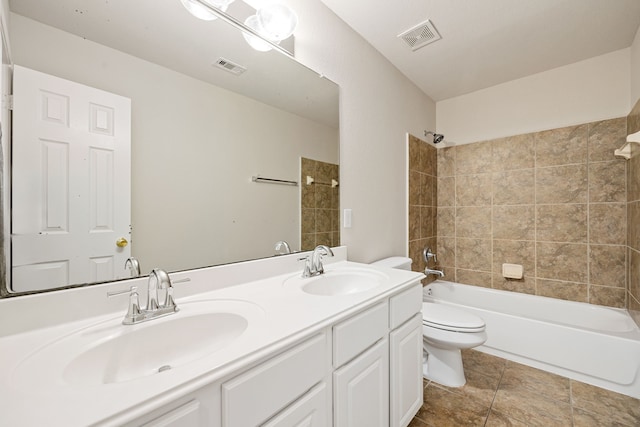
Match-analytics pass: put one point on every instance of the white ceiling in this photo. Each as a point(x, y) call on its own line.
point(488, 42)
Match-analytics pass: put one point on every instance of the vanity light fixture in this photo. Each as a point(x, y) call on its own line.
point(201, 12)
point(253, 41)
point(273, 21)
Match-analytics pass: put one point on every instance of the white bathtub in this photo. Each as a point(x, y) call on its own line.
point(589, 343)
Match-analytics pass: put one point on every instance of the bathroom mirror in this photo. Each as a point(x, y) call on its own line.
point(208, 113)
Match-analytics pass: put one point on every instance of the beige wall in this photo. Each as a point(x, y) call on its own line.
point(590, 90)
point(378, 106)
point(552, 201)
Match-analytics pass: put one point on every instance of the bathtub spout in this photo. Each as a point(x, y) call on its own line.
point(429, 271)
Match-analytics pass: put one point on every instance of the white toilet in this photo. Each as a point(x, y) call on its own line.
point(446, 331)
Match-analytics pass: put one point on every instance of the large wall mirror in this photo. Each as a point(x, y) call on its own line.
point(199, 133)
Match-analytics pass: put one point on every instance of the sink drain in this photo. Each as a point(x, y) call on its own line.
point(164, 368)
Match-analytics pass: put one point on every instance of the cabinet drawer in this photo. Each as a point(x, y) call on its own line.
point(261, 392)
point(356, 334)
point(311, 410)
point(405, 305)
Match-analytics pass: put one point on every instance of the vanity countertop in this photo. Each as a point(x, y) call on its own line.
point(279, 315)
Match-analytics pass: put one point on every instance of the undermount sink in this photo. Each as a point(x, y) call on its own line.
point(109, 352)
point(339, 282)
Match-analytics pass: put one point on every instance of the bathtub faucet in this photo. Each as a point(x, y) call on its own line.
point(429, 271)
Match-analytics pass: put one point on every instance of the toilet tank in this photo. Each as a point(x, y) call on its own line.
point(400, 262)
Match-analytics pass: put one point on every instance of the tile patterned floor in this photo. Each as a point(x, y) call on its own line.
point(504, 393)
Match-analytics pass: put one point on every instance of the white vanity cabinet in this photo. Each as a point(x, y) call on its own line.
point(365, 370)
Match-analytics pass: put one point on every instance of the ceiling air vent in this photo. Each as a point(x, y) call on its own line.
point(420, 35)
point(229, 66)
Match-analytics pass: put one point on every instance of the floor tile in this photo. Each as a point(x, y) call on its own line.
point(531, 408)
point(619, 408)
point(444, 408)
point(583, 418)
point(480, 387)
point(483, 363)
point(499, 420)
point(517, 376)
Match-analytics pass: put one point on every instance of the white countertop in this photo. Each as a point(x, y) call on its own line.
point(279, 314)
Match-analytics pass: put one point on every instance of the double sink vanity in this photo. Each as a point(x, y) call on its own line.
point(251, 343)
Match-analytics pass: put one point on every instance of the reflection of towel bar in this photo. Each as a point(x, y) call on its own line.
point(310, 181)
point(273, 181)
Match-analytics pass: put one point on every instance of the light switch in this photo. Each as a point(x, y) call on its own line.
point(347, 218)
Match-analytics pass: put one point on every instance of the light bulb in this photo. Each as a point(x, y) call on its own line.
point(201, 12)
point(255, 42)
point(277, 20)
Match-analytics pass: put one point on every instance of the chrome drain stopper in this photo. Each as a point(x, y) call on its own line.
point(164, 368)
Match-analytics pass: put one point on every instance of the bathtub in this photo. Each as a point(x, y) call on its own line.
point(589, 343)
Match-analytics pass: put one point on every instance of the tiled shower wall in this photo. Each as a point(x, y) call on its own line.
point(422, 201)
point(633, 218)
point(553, 201)
point(320, 204)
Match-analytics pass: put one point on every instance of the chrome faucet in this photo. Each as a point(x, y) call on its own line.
point(282, 244)
point(158, 281)
point(428, 255)
point(134, 266)
point(313, 263)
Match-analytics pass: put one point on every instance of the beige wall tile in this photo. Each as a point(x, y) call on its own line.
point(323, 196)
point(427, 190)
point(514, 252)
point(427, 214)
point(514, 222)
point(473, 254)
point(634, 273)
point(323, 220)
point(446, 221)
point(570, 291)
point(604, 295)
point(308, 241)
point(514, 187)
point(308, 221)
point(428, 159)
point(562, 146)
point(562, 184)
point(633, 119)
point(414, 153)
point(473, 190)
point(414, 188)
point(473, 221)
point(561, 223)
point(607, 265)
point(526, 285)
point(634, 309)
point(607, 182)
point(514, 152)
point(561, 261)
point(446, 251)
point(606, 136)
point(446, 191)
point(633, 178)
point(471, 277)
point(446, 161)
point(633, 220)
point(473, 158)
point(607, 223)
point(415, 253)
point(414, 222)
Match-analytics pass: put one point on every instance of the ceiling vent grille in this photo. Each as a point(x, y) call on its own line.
point(420, 35)
point(229, 66)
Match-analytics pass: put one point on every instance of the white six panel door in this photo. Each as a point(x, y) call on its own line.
point(71, 187)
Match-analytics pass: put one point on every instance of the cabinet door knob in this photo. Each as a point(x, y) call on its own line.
point(121, 242)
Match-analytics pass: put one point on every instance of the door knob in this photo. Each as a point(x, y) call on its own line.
point(121, 242)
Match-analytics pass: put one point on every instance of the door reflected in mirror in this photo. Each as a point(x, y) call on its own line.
point(198, 132)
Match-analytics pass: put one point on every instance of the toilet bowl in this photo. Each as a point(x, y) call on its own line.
point(446, 331)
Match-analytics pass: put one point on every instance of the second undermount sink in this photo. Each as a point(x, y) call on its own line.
point(109, 352)
point(339, 282)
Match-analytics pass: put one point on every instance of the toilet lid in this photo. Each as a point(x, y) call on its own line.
point(445, 317)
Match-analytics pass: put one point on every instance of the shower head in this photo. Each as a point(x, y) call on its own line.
point(437, 137)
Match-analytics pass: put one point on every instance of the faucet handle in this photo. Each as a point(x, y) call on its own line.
point(133, 309)
point(427, 254)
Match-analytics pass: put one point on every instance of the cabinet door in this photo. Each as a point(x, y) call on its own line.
point(406, 371)
point(361, 389)
point(311, 410)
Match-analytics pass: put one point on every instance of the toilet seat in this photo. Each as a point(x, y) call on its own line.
point(448, 318)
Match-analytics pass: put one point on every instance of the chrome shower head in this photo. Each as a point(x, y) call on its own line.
point(437, 137)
